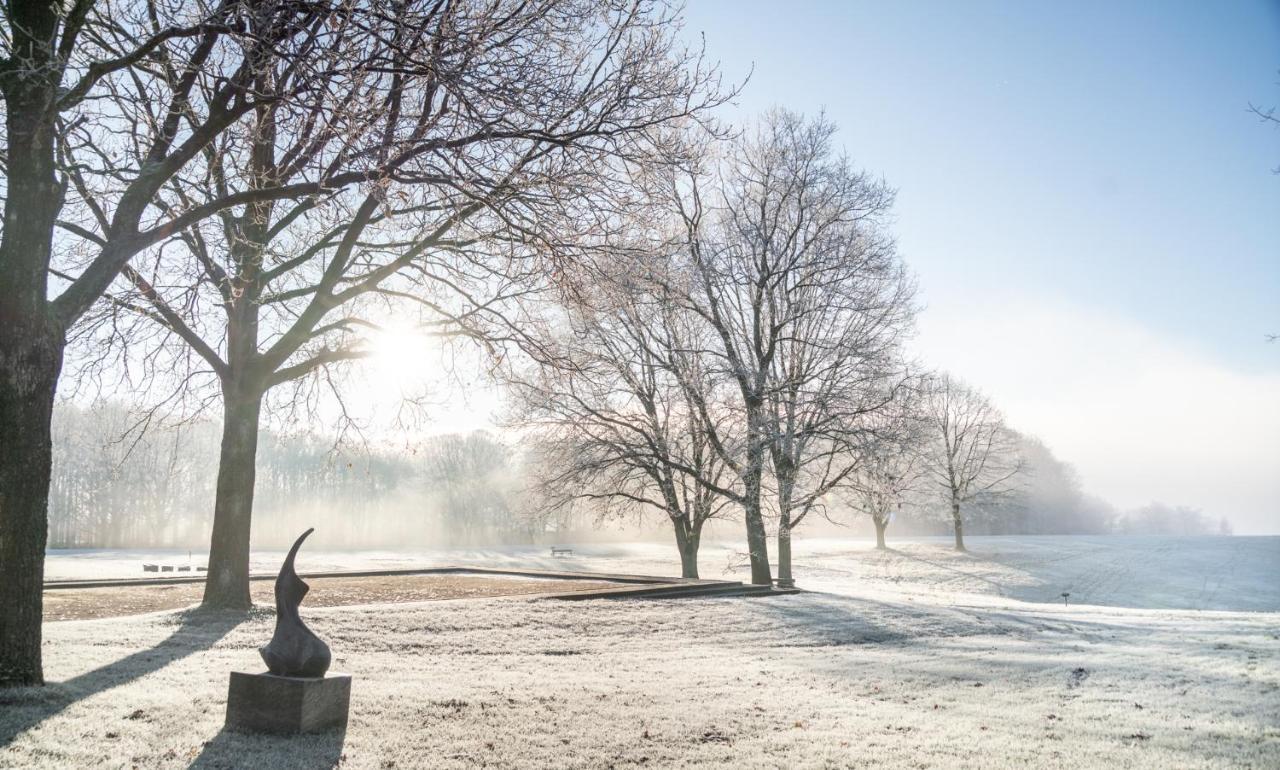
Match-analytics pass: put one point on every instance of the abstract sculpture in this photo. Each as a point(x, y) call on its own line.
point(295, 696)
point(294, 650)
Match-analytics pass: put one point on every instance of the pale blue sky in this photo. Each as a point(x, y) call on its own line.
point(1100, 151)
point(1087, 203)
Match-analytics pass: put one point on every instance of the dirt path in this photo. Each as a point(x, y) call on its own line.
point(91, 603)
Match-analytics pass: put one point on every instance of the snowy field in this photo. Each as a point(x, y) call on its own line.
point(917, 658)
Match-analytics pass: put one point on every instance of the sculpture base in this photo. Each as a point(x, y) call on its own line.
point(266, 703)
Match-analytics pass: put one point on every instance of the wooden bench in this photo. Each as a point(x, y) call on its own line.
point(561, 551)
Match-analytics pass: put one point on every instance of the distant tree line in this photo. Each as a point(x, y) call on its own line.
point(1162, 519)
point(1048, 500)
point(1051, 500)
point(112, 489)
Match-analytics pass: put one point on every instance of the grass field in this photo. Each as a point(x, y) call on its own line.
point(914, 658)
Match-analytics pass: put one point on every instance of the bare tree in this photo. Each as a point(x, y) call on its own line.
point(452, 168)
point(197, 64)
point(970, 454)
point(891, 469)
point(612, 420)
point(792, 269)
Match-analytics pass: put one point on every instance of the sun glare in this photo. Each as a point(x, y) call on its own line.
point(401, 357)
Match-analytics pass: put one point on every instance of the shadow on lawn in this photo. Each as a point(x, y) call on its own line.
point(829, 620)
point(232, 749)
point(1000, 589)
point(27, 707)
point(818, 619)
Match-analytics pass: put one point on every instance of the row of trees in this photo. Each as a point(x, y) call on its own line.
point(1044, 498)
point(112, 489)
point(739, 349)
point(1162, 519)
point(219, 198)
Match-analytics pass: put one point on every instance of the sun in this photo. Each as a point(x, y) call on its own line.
point(401, 357)
point(408, 364)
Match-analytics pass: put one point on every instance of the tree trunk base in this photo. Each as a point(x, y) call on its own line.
point(30, 361)
point(227, 584)
point(216, 604)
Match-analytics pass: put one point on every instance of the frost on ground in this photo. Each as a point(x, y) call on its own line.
point(1227, 573)
point(873, 671)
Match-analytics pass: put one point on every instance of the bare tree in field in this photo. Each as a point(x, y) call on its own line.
point(612, 421)
point(807, 302)
point(195, 65)
point(970, 453)
point(891, 469)
point(454, 168)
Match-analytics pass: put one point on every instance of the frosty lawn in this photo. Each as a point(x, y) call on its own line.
point(886, 671)
point(1226, 573)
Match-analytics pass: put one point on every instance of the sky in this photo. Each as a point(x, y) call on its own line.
point(1087, 203)
point(1089, 207)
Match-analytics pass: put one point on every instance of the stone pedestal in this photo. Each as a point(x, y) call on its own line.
point(266, 703)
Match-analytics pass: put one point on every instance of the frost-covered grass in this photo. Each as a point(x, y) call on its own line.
point(1237, 573)
point(1202, 573)
point(884, 667)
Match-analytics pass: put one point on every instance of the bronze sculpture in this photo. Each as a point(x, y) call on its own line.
point(294, 650)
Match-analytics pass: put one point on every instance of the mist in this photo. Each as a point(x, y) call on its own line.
point(115, 488)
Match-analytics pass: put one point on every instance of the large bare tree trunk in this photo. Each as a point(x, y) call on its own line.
point(227, 585)
point(881, 525)
point(784, 552)
point(30, 361)
point(786, 484)
point(757, 537)
point(31, 348)
point(959, 524)
point(687, 540)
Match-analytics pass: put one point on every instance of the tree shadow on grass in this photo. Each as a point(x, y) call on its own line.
point(234, 749)
point(826, 620)
point(27, 707)
point(819, 619)
point(938, 565)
